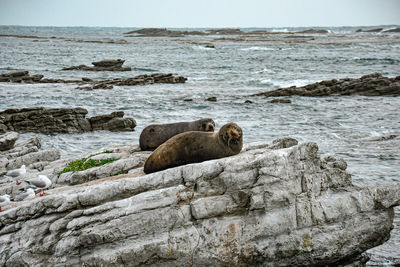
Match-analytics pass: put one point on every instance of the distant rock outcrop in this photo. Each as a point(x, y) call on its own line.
point(24, 77)
point(368, 85)
point(277, 204)
point(104, 65)
point(63, 120)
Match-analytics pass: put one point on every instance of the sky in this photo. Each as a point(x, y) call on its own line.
point(200, 13)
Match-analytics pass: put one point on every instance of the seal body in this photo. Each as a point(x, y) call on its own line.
point(154, 135)
point(191, 147)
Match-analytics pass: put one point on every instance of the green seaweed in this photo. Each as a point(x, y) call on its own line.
point(86, 163)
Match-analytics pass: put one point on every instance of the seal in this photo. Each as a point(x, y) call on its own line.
point(155, 134)
point(191, 147)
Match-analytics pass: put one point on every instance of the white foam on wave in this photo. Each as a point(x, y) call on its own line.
point(257, 48)
point(280, 30)
point(284, 84)
point(199, 47)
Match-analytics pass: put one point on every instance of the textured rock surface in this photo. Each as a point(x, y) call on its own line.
point(369, 85)
point(24, 77)
point(7, 140)
point(273, 204)
point(104, 65)
point(63, 120)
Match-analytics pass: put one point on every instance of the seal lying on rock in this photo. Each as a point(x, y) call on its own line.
point(154, 135)
point(191, 147)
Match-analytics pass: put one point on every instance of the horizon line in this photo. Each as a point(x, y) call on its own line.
point(195, 27)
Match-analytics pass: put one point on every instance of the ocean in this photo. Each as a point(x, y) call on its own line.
point(352, 127)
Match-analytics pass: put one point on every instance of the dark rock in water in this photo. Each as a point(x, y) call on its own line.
point(7, 140)
point(314, 31)
point(368, 85)
point(112, 122)
point(104, 65)
point(103, 86)
point(23, 76)
point(212, 99)
point(280, 101)
point(188, 99)
point(248, 102)
point(63, 120)
point(209, 46)
point(371, 30)
point(161, 32)
point(393, 30)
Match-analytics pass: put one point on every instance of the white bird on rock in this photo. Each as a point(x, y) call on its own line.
point(42, 182)
point(29, 194)
point(17, 173)
point(4, 199)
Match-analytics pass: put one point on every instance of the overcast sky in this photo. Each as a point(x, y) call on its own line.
point(199, 13)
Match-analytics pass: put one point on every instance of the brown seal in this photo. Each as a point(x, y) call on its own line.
point(191, 147)
point(154, 135)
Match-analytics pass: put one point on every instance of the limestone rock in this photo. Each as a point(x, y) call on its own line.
point(368, 85)
point(275, 204)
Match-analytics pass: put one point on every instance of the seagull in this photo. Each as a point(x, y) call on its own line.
point(16, 173)
point(4, 199)
point(42, 182)
point(29, 194)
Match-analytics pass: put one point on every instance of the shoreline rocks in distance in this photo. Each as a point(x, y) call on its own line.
point(62, 120)
point(23, 76)
point(368, 85)
point(104, 65)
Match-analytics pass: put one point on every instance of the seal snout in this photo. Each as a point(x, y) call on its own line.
point(210, 127)
point(233, 133)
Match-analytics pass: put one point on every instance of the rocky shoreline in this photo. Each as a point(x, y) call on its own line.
point(368, 85)
point(276, 202)
point(62, 120)
point(144, 79)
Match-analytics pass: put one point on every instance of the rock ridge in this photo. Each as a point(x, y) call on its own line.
point(143, 79)
point(368, 85)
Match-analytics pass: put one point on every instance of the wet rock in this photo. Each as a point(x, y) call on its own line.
point(371, 30)
point(20, 77)
point(161, 32)
point(7, 140)
point(63, 120)
point(248, 101)
point(277, 100)
point(104, 65)
point(143, 79)
point(393, 30)
point(212, 99)
point(313, 31)
point(188, 99)
point(275, 204)
point(368, 85)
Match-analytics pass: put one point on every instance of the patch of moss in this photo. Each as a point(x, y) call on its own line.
point(122, 172)
point(85, 163)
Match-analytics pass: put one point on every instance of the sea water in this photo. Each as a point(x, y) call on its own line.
point(351, 127)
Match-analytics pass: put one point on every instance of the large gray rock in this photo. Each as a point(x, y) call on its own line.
point(63, 120)
point(273, 204)
point(7, 140)
point(368, 85)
